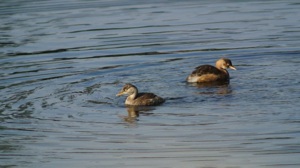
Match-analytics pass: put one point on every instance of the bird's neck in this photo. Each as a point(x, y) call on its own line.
point(225, 71)
point(133, 95)
point(222, 69)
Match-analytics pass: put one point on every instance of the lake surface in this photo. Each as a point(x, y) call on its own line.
point(63, 62)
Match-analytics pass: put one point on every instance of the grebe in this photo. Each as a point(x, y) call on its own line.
point(139, 99)
point(211, 74)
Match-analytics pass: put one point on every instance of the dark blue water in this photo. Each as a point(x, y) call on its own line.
point(63, 62)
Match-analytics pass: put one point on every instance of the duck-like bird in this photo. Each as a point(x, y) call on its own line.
point(139, 99)
point(211, 74)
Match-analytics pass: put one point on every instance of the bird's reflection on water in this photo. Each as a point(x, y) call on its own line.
point(135, 111)
point(213, 88)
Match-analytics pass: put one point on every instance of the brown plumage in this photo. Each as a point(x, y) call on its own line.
point(209, 73)
point(139, 99)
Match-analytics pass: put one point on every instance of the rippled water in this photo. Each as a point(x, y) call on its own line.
point(62, 63)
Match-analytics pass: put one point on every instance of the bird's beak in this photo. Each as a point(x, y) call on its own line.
point(120, 93)
point(232, 67)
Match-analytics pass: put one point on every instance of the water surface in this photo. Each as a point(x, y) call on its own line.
point(62, 63)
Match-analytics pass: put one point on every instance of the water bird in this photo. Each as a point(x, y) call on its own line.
point(139, 99)
point(211, 74)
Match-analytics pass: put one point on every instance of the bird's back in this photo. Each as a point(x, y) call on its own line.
point(146, 99)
